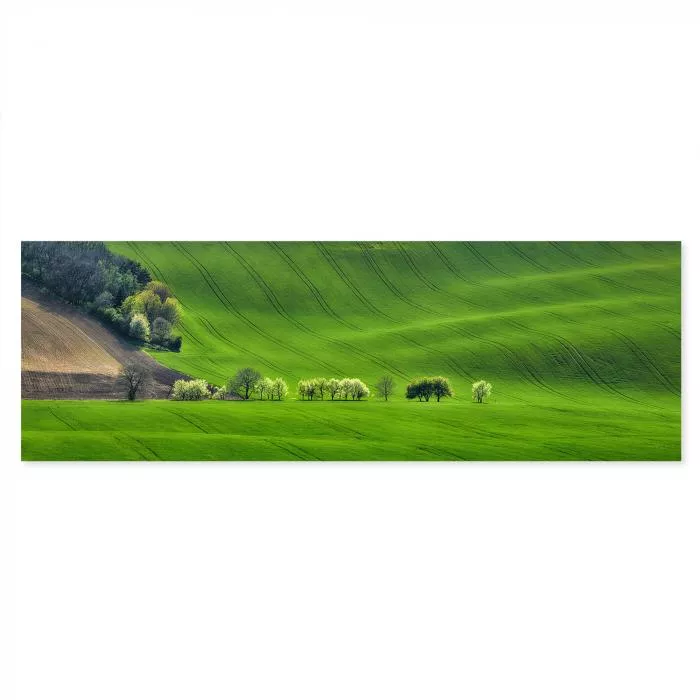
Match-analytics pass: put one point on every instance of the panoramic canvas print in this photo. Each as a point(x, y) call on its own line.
point(351, 350)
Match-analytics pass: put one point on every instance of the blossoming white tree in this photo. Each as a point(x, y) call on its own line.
point(481, 390)
point(279, 389)
point(190, 390)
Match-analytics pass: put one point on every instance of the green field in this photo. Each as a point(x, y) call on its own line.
point(580, 340)
point(221, 430)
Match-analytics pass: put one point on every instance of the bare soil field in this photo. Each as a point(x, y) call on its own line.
point(67, 354)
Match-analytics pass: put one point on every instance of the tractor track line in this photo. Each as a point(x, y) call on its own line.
point(570, 254)
point(65, 422)
point(610, 312)
point(427, 282)
point(524, 256)
point(526, 371)
point(374, 266)
point(355, 434)
point(642, 355)
point(443, 454)
point(286, 449)
point(266, 290)
point(583, 362)
point(483, 260)
point(622, 285)
point(212, 329)
point(351, 286)
point(211, 283)
point(348, 347)
point(147, 448)
point(607, 245)
point(451, 362)
point(188, 420)
point(311, 286)
point(139, 447)
point(149, 263)
point(446, 261)
point(414, 268)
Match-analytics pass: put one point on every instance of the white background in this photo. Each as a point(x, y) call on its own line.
point(362, 120)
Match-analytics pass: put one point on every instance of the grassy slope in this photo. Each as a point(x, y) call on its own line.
point(581, 341)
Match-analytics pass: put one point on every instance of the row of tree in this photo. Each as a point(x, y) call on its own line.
point(425, 387)
point(245, 383)
point(321, 388)
point(248, 382)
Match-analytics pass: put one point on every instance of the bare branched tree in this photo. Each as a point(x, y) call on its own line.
point(385, 387)
point(135, 378)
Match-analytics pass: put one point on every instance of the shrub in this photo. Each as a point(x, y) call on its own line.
point(138, 327)
point(190, 390)
point(219, 393)
point(174, 343)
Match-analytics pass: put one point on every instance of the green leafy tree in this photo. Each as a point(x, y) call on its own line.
point(441, 387)
point(244, 382)
point(422, 389)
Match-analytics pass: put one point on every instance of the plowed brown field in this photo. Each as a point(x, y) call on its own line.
point(68, 354)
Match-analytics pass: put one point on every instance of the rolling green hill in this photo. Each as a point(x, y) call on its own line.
point(582, 339)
